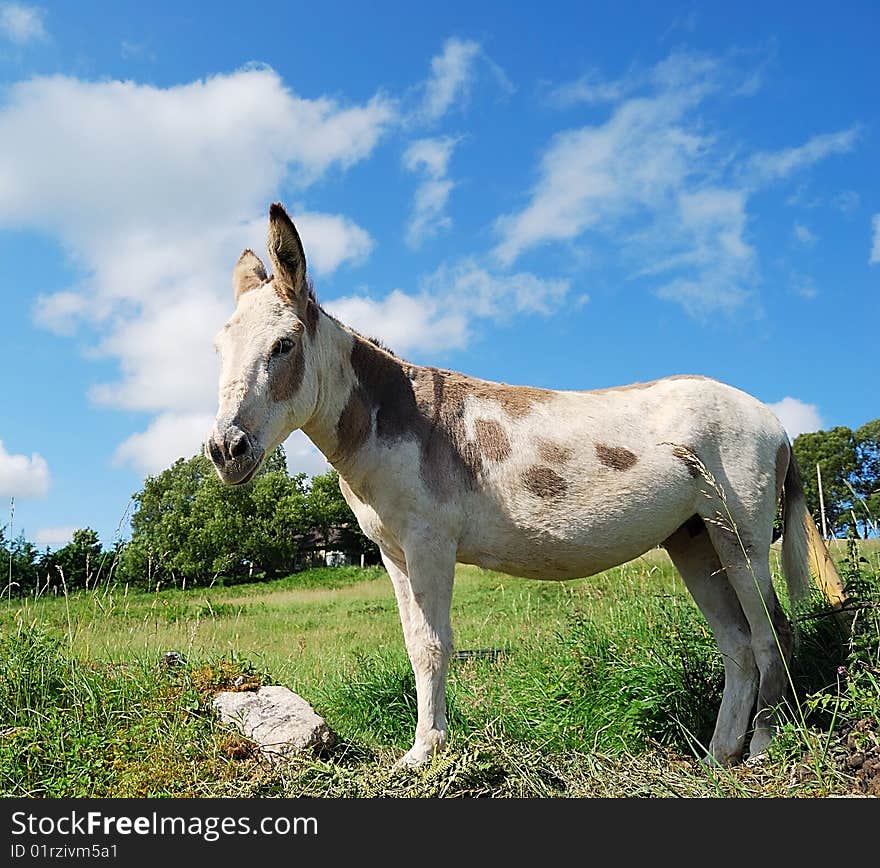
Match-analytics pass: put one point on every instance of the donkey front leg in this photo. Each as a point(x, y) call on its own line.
point(424, 598)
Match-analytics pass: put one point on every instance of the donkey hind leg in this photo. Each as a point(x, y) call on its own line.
point(747, 564)
point(423, 587)
point(695, 558)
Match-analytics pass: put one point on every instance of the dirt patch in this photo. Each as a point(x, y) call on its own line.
point(224, 676)
point(863, 756)
point(238, 748)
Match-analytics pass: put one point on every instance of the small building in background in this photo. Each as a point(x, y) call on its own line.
point(340, 548)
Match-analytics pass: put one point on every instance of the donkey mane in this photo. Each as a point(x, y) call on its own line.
point(377, 342)
point(309, 297)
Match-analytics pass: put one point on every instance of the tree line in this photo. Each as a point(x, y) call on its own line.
point(188, 528)
point(849, 465)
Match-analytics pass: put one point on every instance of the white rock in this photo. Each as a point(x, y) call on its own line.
point(274, 717)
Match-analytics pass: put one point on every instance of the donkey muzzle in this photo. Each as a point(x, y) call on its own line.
point(235, 454)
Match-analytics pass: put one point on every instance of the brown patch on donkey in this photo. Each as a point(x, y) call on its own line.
point(615, 457)
point(544, 482)
point(287, 375)
point(554, 453)
point(416, 403)
point(428, 405)
point(492, 442)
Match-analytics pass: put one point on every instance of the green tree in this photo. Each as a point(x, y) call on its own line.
point(327, 509)
point(326, 505)
point(867, 483)
point(176, 537)
point(188, 527)
point(79, 564)
point(850, 468)
point(18, 565)
point(279, 515)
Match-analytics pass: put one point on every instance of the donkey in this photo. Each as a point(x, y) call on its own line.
point(440, 467)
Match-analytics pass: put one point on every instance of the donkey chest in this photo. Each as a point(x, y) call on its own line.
point(392, 516)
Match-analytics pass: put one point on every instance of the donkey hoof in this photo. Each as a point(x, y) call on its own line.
point(757, 759)
point(414, 758)
point(422, 751)
point(722, 759)
point(709, 760)
point(758, 746)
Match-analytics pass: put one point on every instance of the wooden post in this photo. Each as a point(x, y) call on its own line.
point(11, 519)
point(821, 502)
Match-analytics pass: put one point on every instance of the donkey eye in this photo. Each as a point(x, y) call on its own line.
point(281, 347)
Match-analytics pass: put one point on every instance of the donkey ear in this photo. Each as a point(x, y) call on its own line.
point(286, 253)
point(248, 273)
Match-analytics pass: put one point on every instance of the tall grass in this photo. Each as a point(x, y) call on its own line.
point(607, 686)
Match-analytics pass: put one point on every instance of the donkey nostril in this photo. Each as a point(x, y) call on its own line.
point(239, 445)
point(215, 451)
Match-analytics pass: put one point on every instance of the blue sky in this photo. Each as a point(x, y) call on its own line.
point(569, 195)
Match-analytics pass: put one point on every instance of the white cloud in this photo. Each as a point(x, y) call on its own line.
point(649, 181)
point(181, 435)
point(154, 197)
point(60, 312)
point(451, 74)
point(429, 157)
point(55, 537)
point(22, 24)
point(805, 286)
point(715, 259)
point(330, 240)
point(774, 165)
point(169, 437)
point(797, 416)
point(328, 134)
point(596, 176)
point(21, 476)
point(686, 22)
point(479, 292)
point(440, 317)
point(135, 51)
point(847, 201)
point(804, 235)
point(149, 154)
point(303, 456)
point(429, 217)
point(592, 89)
point(162, 354)
point(875, 243)
point(454, 72)
point(405, 322)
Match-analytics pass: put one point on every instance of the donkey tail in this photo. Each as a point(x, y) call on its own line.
point(803, 549)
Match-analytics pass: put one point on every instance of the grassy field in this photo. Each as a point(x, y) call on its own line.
point(607, 686)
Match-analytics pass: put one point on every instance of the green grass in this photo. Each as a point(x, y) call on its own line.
point(605, 686)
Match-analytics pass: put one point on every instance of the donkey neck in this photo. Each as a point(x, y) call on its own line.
point(354, 378)
point(367, 397)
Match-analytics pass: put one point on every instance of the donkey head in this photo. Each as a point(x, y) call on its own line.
point(267, 386)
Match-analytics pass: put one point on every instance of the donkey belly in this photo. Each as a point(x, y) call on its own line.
point(568, 543)
point(551, 560)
